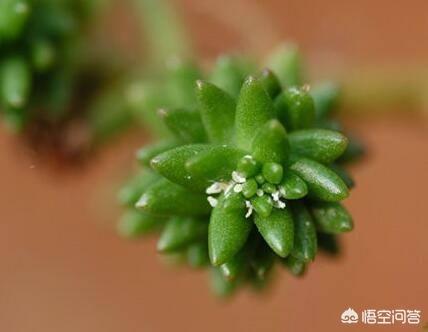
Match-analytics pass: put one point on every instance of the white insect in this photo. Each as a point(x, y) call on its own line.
point(213, 201)
point(237, 177)
point(250, 209)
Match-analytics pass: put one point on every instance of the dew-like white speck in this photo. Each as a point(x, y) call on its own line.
point(259, 192)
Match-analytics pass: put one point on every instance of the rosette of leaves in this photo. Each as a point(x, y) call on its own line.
point(41, 58)
point(256, 166)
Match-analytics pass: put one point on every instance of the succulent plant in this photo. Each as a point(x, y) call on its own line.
point(41, 57)
point(251, 174)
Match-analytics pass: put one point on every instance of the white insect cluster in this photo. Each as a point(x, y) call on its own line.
point(236, 185)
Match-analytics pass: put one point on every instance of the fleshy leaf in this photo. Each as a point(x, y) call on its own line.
point(15, 82)
point(326, 96)
point(147, 153)
point(270, 143)
point(328, 244)
point(197, 254)
point(167, 198)
point(13, 16)
point(235, 266)
point(305, 236)
point(321, 145)
point(331, 217)
point(354, 151)
point(262, 261)
point(296, 109)
point(220, 285)
point(292, 186)
point(254, 108)
point(278, 230)
point(133, 189)
point(135, 223)
point(172, 165)
point(217, 111)
point(286, 64)
point(295, 266)
point(270, 83)
point(185, 124)
point(180, 232)
point(181, 80)
point(228, 230)
point(322, 182)
point(344, 175)
point(227, 75)
point(217, 163)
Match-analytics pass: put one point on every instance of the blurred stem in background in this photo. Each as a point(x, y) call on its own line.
point(164, 33)
point(135, 98)
point(366, 90)
point(373, 90)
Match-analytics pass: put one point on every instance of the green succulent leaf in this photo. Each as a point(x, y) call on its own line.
point(15, 82)
point(135, 223)
point(295, 266)
point(217, 111)
point(262, 205)
point(354, 151)
point(270, 83)
point(278, 230)
point(172, 165)
point(181, 79)
point(147, 153)
point(344, 175)
point(132, 191)
point(322, 182)
point(254, 109)
point(167, 198)
point(262, 262)
point(273, 173)
point(227, 75)
point(235, 267)
point(197, 254)
point(296, 109)
point(328, 244)
point(285, 62)
point(270, 143)
point(331, 217)
point(292, 186)
point(321, 145)
point(179, 232)
point(228, 229)
point(185, 124)
point(305, 236)
point(326, 97)
point(221, 286)
point(13, 16)
point(216, 163)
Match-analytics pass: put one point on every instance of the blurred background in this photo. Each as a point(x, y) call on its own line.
point(63, 268)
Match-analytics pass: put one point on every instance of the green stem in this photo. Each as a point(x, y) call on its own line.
point(164, 34)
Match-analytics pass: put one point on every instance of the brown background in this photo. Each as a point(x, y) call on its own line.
point(62, 268)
